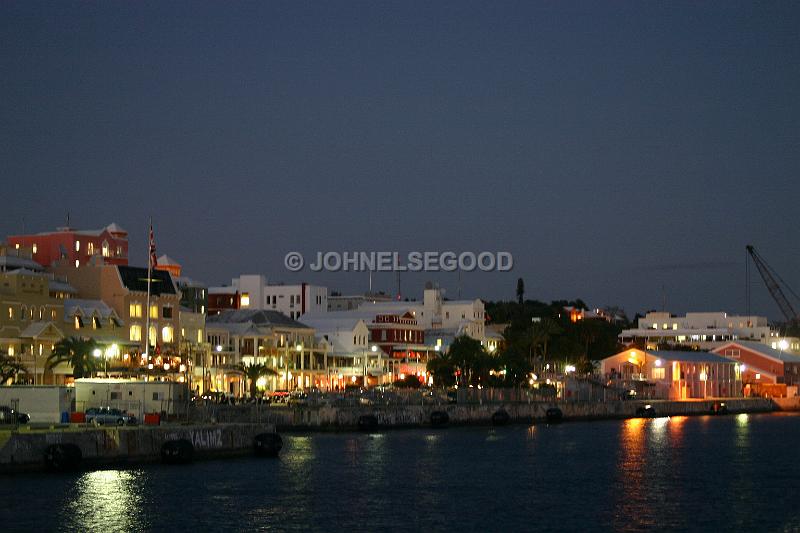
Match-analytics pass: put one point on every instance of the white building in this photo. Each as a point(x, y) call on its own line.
point(434, 313)
point(702, 330)
point(351, 357)
point(291, 300)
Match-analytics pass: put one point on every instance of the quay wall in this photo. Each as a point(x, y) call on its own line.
point(404, 416)
point(24, 449)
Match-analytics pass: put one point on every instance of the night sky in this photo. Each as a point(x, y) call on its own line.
point(622, 151)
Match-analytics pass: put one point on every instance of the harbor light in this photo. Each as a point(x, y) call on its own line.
point(299, 347)
point(219, 348)
point(166, 366)
point(742, 367)
point(97, 352)
point(374, 348)
point(569, 368)
point(658, 362)
point(783, 344)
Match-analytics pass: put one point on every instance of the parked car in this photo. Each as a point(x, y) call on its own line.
point(10, 416)
point(109, 415)
point(279, 396)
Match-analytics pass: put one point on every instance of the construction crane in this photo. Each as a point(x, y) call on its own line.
point(771, 279)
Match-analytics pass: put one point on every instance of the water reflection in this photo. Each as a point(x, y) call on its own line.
point(107, 499)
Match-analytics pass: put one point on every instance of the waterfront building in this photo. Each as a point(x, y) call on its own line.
point(696, 330)
point(77, 247)
point(397, 335)
point(352, 359)
point(124, 289)
point(251, 291)
point(673, 375)
point(761, 364)
point(31, 313)
point(247, 336)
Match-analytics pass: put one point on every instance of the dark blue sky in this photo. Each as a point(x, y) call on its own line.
point(614, 148)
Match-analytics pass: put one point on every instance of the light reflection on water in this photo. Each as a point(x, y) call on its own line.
point(710, 473)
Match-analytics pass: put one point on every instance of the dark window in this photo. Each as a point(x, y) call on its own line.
point(166, 312)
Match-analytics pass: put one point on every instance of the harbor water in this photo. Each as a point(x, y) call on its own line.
point(725, 473)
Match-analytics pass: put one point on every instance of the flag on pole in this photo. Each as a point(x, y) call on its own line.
point(153, 259)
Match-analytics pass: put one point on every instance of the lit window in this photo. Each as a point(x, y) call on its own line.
point(659, 373)
point(758, 376)
point(90, 248)
point(106, 250)
point(245, 300)
point(152, 336)
point(136, 332)
point(166, 333)
point(10, 350)
point(95, 323)
point(78, 322)
point(674, 326)
point(135, 310)
point(199, 336)
point(35, 248)
point(77, 263)
point(77, 246)
point(16, 246)
point(153, 311)
point(11, 312)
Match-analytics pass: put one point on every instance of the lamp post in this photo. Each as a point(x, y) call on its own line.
point(299, 348)
point(97, 353)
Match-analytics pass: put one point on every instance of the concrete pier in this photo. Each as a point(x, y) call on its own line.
point(289, 418)
point(25, 448)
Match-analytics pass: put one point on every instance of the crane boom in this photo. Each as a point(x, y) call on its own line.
point(772, 285)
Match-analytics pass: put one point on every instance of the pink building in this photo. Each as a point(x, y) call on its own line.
point(673, 375)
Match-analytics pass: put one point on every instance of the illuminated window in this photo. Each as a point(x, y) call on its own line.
point(152, 336)
point(758, 376)
point(10, 350)
point(199, 336)
point(675, 326)
point(16, 246)
point(166, 334)
point(245, 300)
point(659, 373)
point(35, 248)
point(77, 246)
point(95, 323)
point(153, 311)
point(136, 332)
point(106, 250)
point(77, 263)
point(90, 248)
point(135, 310)
point(78, 322)
point(11, 312)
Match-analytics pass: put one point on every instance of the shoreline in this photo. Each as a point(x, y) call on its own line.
point(102, 447)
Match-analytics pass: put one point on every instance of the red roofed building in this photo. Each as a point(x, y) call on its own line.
point(761, 363)
point(76, 246)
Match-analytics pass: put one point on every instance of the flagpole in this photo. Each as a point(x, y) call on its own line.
point(149, 275)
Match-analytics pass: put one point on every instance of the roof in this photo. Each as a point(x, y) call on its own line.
point(324, 324)
point(8, 262)
point(226, 289)
point(36, 329)
point(56, 285)
point(135, 279)
point(87, 308)
point(692, 357)
point(166, 260)
point(259, 317)
point(114, 228)
point(764, 349)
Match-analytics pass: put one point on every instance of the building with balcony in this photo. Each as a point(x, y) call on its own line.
point(673, 375)
point(351, 357)
point(702, 331)
point(247, 336)
point(77, 247)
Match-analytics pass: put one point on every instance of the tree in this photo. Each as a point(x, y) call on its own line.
point(543, 333)
point(254, 371)
point(442, 369)
point(9, 368)
point(76, 352)
point(520, 291)
point(469, 357)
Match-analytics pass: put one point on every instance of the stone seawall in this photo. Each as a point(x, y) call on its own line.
point(25, 449)
point(405, 416)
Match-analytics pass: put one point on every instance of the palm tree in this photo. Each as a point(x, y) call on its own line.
point(9, 368)
point(254, 371)
point(543, 332)
point(76, 352)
